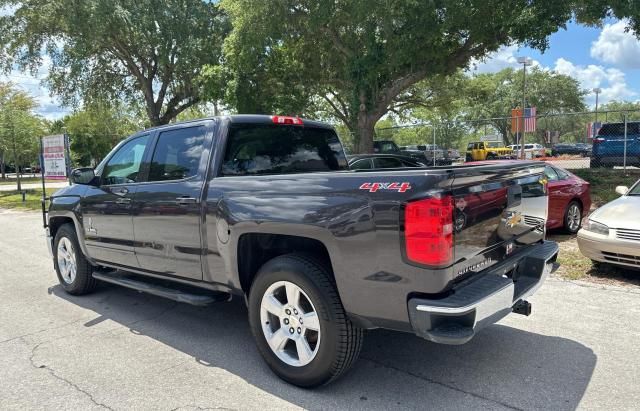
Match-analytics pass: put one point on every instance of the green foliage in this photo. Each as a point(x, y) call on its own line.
point(101, 50)
point(95, 130)
point(20, 129)
point(493, 95)
point(360, 56)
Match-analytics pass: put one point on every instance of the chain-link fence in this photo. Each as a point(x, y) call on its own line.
point(609, 139)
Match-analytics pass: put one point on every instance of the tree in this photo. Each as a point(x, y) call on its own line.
point(361, 56)
point(19, 128)
point(96, 129)
point(493, 95)
point(100, 50)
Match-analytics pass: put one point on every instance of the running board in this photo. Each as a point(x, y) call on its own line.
point(150, 286)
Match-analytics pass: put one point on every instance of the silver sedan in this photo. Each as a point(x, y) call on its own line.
point(611, 234)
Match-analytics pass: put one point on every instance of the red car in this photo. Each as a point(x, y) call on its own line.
point(569, 199)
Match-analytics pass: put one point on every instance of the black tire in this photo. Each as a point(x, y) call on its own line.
point(491, 156)
point(83, 283)
point(594, 163)
point(468, 158)
point(340, 340)
point(570, 226)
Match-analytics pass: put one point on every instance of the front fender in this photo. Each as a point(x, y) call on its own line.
point(65, 207)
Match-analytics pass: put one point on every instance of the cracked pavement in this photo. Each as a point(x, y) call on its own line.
point(118, 349)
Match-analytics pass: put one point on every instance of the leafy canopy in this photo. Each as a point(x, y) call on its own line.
point(360, 55)
point(149, 50)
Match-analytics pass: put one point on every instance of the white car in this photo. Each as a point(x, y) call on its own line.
point(534, 150)
point(611, 234)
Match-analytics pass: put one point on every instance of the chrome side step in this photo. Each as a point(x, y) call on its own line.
point(178, 293)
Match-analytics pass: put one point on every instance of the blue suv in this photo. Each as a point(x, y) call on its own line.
point(608, 146)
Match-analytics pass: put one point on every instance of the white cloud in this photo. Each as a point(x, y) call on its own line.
point(506, 56)
point(612, 81)
point(617, 47)
point(49, 107)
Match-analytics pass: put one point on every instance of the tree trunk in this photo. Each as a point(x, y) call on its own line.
point(2, 166)
point(365, 129)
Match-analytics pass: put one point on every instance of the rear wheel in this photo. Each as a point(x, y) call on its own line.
point(468, 158)
point(573, 217)
point(73, 269)
point(298, 322)
point(491, 156)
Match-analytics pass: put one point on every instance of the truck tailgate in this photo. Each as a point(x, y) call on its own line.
point(498, 208)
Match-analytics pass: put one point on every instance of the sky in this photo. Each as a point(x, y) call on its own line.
point(606, 57)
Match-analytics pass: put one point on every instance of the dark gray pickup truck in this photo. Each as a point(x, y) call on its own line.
point(264, 208)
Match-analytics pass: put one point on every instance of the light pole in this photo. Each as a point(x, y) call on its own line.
point(596, 90)
point(525, 61)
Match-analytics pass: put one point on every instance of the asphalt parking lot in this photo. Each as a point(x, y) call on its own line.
point(118, 349)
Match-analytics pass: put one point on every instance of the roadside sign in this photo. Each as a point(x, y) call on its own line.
point(54, 157)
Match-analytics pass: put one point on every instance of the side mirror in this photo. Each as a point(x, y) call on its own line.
point(622, 190)
point(84, 175)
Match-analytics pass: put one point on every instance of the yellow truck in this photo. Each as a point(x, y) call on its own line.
point(487, 150)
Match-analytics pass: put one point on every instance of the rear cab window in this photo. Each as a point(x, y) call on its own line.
point(260, 149)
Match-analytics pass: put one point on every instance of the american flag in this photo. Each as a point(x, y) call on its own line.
point(530, 119)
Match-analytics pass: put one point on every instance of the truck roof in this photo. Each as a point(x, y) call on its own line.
point(246, 119)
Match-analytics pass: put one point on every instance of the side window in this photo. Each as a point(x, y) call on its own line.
point(470, 146)
point(562, 175)
point(551, 174)
point(254, 149)
point(364, 164)
point(124, 166)
point(177, 154)
point(387, 162)
point(409, 164)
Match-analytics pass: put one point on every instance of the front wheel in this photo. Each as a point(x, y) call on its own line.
point(73, 270)
point(298, 322)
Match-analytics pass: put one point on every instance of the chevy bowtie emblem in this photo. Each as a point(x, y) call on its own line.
point(513, 218)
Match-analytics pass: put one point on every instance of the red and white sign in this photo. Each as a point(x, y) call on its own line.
point(53, 156)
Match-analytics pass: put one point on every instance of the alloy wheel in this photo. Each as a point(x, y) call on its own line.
point(573, 217)
point(290, 323)
point(66, 260)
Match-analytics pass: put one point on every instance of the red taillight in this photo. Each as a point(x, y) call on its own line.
point(428, 231)
point(598, 140)
point(296, 121)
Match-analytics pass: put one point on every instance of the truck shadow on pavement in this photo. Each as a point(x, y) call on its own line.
point(501, 368)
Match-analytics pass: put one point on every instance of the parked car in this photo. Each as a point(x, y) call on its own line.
point(264, 208)
point(385, 147)
point(487, 150)
point(612, 233)
point(569, 199)
point(371, 161)
point(427, 153)
point(581, 149)
point(609, 145)
point(533, 150)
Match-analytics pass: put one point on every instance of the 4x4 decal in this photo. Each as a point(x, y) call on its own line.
point(373, 187)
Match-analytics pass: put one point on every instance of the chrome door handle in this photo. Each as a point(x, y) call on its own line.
point(123, 201)
point(121, 191)
point(186, 200)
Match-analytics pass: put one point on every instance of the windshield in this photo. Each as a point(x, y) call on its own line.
point(635, 190)
point(494, 144)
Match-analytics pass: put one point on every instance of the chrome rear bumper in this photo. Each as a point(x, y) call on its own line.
point(482, 301)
